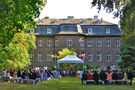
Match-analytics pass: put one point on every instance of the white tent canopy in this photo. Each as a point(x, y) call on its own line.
point(70, 59)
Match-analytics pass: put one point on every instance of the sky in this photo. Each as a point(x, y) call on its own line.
point(76, 8)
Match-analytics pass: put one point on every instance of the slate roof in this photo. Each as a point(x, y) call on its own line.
point(77, 26)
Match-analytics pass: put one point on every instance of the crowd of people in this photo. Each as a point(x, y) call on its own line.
point(30, 74)
point(107, 76)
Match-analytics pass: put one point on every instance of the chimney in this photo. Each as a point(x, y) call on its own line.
point(96, 17)
point(70, 17)
point(47, 17)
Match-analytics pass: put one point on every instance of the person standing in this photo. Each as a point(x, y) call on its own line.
point(85, 76)
point(81, 76)
point(4, 75)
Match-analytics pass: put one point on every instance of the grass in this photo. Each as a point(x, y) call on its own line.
point(66, 83)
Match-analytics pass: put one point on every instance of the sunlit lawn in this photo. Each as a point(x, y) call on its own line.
point(66, 83)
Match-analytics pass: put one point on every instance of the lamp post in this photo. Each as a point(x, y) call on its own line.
point(83, 56)
point(54, 57)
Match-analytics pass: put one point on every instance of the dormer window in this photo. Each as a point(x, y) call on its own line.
point(107, 31)
point(89, 30)
point(49, 30)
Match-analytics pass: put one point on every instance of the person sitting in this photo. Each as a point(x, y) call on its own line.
point(89, 75)
point(24, 76)
point(120, 75)
point(130, 76)
point(15, 74)
point(109, 77)
point(103, 76)
point(115, 76)
point(96, 76)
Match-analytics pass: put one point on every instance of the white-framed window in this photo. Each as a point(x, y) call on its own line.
point(49, 56)
point(89, 43)
point(82, 42)
point(69, 42)
point(98, 43)
point(40, 43)
point(49, 30)
point(108, 56)
point(99, 56)
point(90, 56)
point(118, 42)
point(39, 56)
point(108, 42)
point(89, 30)
point(118, 56)
point(31, 56)
point(56, 42)
point(49, 42)
point(107, 31)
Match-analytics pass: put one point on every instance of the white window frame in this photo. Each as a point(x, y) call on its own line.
point(90, 55)
point(56, 42)
point(49, 58)
point(89, 43)
point(108, 57)
point(89, 30)
point(117, 42)
point(99, 56)
point(108, 31)
point(49, 30)
point(108, 42)
point(98, 43)
point(82, 42)
point(117, 56)
point(69, 42)
point(40, 56)
point(40, 42)
point(49, 42)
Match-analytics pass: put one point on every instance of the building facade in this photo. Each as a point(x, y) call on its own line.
point(98, 40)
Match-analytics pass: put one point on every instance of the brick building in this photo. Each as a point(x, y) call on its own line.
point(97, 39)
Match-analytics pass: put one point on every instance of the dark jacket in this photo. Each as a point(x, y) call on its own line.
point(95, 76)
point(85, 76)
point(24, 75)
point(130, 75)
point(120, 75)
point(19, 74)
point(103, 76)
point(34, 75)
point(115, 76)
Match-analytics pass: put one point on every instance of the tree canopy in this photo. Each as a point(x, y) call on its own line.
point(16, 17)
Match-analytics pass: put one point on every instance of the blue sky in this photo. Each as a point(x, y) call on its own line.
point(76, 8)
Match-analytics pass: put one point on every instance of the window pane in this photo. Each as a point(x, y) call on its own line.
point(98, 43)
point(89, 43)
point(39, 56)
point(49, 56)
point(99, 57)
point(108, 42)
point(89, 56)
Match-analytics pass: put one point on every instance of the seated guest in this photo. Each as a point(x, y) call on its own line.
point(15, 74)
point(95, 76)
point(24, 75)
point(8, 75)
point(125, 77)
point(130, 76)
point(115, 76)
point(109, 77)
point(34, 74)
point(89, 75)
point(103, 76)
point(19, 73)
point(120, 75)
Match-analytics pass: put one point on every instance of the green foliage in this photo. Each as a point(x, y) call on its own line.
point(62, 54)
point(16, 55)
point(65, 52)
point(17, 16)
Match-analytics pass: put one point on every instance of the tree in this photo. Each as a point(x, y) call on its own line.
point(62, 54)
point(16, 55)
point(16, 17)
point(125, 9)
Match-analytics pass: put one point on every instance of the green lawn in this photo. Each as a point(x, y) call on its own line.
point(66, 83)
